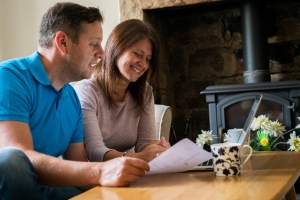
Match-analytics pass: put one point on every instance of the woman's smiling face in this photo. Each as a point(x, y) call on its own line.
point(135, 60)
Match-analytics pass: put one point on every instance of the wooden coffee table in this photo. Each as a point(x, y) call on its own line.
point(267, 175)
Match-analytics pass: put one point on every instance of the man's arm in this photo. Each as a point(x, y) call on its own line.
point(75, 152)
point(56, 172)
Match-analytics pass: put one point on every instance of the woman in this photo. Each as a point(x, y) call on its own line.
point(117, 101)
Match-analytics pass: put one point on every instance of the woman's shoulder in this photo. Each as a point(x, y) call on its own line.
point(87, 84)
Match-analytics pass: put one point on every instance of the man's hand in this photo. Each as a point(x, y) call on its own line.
point(122, 171)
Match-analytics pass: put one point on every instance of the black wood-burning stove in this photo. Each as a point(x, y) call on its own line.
point(229, 105)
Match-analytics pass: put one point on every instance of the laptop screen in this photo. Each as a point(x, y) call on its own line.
point(249, 120)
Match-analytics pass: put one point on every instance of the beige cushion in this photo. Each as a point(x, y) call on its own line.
point(163, 120)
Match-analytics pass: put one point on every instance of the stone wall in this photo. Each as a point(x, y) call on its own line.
point(202, 46)
point(134, 8)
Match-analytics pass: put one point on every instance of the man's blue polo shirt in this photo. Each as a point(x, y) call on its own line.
point(27, 95)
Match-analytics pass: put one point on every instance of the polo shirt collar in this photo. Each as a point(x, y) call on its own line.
point(38, 71)
point(36, 68)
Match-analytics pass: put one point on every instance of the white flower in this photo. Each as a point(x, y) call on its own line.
point(227, 138)
point(276, 128)
point(260, 122)
point(294, 142)
point(206, 137)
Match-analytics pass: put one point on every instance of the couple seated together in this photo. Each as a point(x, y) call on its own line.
point(91, 124)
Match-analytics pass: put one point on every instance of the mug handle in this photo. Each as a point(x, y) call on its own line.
point(249, 155)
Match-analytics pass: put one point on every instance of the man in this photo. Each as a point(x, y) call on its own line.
point(40, 114)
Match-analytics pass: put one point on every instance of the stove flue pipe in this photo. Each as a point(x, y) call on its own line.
point(255, 43)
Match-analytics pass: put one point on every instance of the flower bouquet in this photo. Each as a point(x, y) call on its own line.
point(270, 133)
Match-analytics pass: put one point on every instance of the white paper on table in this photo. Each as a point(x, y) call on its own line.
point(182, 156)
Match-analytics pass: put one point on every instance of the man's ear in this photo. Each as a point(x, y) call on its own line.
point(61, 41)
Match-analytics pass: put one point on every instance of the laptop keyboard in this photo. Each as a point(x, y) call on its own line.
point(207, 163)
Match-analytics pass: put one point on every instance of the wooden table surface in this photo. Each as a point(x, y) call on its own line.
point(267, 175)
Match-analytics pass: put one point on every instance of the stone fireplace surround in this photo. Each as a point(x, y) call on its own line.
point(180, 81)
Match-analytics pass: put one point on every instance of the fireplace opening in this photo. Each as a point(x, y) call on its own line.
point(203, 46)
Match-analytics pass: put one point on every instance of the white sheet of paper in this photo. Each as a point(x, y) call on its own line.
point(182, 156)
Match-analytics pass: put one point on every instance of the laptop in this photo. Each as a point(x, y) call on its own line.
point(208, 165)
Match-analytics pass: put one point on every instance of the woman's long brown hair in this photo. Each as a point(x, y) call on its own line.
point(123, 36)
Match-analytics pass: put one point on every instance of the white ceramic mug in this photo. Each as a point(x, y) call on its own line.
point(227, 158)
point(234, 134)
